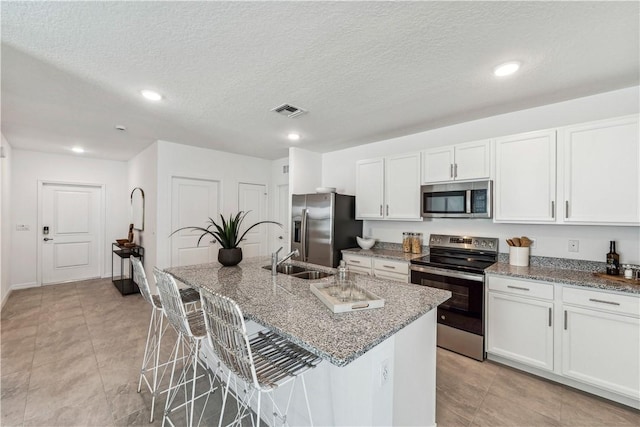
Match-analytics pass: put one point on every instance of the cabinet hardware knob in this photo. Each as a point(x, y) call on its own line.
point(387, 210)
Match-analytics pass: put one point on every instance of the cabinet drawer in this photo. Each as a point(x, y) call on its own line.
point(623, 304)
point(358, 261)
point(399, 277)
point(359, 270)
point(391, 266)
point(521, 287)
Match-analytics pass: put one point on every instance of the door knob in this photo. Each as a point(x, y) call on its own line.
point(46, 239)
point(280, 237)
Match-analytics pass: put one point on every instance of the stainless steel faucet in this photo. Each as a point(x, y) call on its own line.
point(275, 262)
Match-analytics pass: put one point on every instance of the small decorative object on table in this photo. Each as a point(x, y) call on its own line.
point(227, 233)
point(519, 251)
point(365, 243)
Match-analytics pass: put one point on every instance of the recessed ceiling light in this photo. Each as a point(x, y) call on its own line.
point(293, 136)
point(151, 95)
point(506, 69)
point(77, 150)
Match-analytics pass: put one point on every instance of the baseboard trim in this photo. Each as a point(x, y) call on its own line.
point(24, 286)
point(5, 299)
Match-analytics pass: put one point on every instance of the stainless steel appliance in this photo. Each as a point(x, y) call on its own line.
point(322, 225)
point(456, 264)
point(457, 200)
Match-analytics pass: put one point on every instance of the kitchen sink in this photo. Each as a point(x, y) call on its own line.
point(287, 269)
point(311, 275)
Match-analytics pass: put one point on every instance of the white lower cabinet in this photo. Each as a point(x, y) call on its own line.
point(601, 347)
point(519, 327)
point(592, 335)
point(379, 267)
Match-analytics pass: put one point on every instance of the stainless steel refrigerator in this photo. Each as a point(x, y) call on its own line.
point(323, 224)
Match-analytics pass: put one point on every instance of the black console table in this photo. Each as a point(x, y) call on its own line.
point(125, 284)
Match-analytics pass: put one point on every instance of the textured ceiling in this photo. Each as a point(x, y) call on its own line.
point(366, 71)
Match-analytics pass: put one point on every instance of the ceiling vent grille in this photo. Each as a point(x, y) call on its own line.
point(288, 110)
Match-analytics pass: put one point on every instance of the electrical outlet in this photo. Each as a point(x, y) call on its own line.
point(385, 372)
point(574, 245)
point(533, 242)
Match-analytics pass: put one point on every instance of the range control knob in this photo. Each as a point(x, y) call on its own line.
point(484, 243)
point(491, 245)
point(475, 243)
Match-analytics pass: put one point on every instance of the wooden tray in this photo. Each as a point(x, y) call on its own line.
point(617, 279)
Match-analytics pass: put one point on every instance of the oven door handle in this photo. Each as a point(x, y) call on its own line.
point(456, 274)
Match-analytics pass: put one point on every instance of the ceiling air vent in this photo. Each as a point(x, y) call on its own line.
point(289, 110)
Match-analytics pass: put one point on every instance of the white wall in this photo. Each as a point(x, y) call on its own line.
point(5, 220)
point(305, 171)
point(338, 170)
point(278, 178)
point(28, 167)
point(143, 173)
point(194, 162)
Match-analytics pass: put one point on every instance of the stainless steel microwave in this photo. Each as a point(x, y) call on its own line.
point(457, 200)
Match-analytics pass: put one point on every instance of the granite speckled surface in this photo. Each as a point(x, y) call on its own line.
point(286, 305)
point(584, 277)
point(375, 252)
point(562, 263)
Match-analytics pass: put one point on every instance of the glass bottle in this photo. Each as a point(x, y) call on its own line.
point(613, 260)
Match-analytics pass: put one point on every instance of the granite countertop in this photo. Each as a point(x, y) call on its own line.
point(286, 305)
point(551, 274)
point(384, 253)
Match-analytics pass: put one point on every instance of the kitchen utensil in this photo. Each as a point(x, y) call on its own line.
point(525, 241)
point(516, 241)
point(510, 242)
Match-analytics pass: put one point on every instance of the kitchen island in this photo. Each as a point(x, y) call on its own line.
point(379, 364)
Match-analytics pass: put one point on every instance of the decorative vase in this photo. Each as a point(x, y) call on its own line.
point(229, 257)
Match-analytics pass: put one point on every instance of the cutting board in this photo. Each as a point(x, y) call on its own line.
point(617, 279)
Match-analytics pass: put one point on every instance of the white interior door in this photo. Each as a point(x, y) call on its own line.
point(283, 217)
point(72, 247)
point(193, 202)
point(252, 198)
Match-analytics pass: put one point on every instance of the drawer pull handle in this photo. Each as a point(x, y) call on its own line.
point(518, 287)
point(359, 306)
point(389, 266)
point(603, 301)
point(355, 261)
point(565, 320)
point(550, 316)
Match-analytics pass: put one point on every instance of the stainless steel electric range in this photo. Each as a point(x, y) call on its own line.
point(457, 264)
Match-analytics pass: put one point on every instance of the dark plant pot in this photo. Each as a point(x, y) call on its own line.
point(229, 257)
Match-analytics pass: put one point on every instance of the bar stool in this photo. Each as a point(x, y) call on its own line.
point(264, 361)
point(191, 331)
point(151, 359)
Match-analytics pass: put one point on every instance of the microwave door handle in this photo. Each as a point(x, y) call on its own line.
point(468, 202)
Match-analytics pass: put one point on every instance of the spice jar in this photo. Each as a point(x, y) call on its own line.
point(416, 243)
point(407, 241)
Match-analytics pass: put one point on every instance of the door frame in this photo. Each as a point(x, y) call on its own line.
point(170, 207)
point(267, 233)
point(101, 233)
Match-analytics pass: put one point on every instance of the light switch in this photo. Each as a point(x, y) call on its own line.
point(23, 227)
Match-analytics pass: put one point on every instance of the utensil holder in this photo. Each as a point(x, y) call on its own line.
point(519, 256)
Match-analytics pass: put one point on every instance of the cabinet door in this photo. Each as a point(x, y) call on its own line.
point(602, 349)
point(526, 178)
point(472, 160)
point(601, 172)
point(437, 165)
point(520, 329)
point(402, 187)
point(369, 189)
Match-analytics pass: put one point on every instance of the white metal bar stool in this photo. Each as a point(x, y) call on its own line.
point(264, 361)
point(191, 331)
point(151, 359)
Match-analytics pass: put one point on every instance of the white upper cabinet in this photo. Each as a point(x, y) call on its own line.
point(389, 188)
point(370, 189)
point(468, 161)
point(601, 171)
point(525, 180)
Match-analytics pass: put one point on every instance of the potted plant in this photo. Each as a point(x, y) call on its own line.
point(227, 233)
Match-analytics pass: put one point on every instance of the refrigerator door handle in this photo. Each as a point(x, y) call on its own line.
point(304, 242)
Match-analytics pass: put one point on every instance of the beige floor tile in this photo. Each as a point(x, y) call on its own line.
point(14, 398)
point(445, 417)
point(62, 352)
point(94, 411)
point(460, 398)
point(496, 412)
point(582, 409)
point(466, 370)
point(527, 391)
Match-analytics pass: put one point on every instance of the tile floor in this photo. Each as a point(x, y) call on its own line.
point(70, 356)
